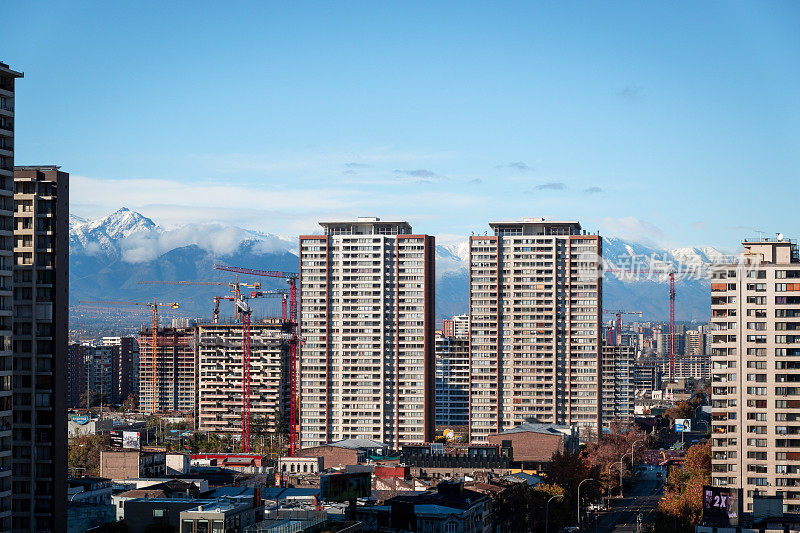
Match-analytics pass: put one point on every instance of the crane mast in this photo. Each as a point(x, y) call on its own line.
point(294, 341)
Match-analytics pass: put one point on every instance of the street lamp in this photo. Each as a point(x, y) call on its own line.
point(579, 499)
point(634, 444)
point(547, 512)
point(621, 461)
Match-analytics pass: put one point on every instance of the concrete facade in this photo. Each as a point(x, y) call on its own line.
point(220, 376)
point(123, 464)
point(755, 353)
point(367, 315)
point(619, 387)
point(41, 295)
point(176, 360)
point(452, 382)
point(535, 332)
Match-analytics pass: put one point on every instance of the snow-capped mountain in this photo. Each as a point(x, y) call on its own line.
point(110, 255)
point(103, 235)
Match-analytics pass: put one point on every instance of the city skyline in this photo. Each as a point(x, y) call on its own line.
point(410, 117)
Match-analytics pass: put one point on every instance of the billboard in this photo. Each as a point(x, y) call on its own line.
point(721, 505)
point(683, 425)
point(80, 419)
point(345, 487)
point(131, 439)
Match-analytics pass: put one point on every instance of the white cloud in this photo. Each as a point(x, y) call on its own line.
point(633, 229)
point(148, 245)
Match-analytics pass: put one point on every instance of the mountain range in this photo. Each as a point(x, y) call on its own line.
point(109, 257)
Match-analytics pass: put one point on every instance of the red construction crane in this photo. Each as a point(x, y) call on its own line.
point(671, 273)
point(243, 310)
point(672, 326)
point(154, 305)
point(294, 341)
point(619, 321)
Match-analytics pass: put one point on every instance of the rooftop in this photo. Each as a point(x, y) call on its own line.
point(538, 427)
point(6, 69)
point(358, 444)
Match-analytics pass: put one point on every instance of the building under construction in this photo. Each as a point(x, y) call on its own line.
point(175, 380)
point(220, 375)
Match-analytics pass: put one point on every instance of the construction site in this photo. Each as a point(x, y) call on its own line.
point(225, 374)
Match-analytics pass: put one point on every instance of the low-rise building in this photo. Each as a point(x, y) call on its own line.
point(122, 464)
point(223, 515)
point(344, 452)
point(300, 465)
point(246, 463)
point(448, 508)
point(535, 443)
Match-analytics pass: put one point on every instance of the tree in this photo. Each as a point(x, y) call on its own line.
point(682, 505)
point(522, 508)
point(567, 470)
point(131, 403)
point(83, 454)
point(610, 447)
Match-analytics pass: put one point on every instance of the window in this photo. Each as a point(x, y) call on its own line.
point(158, 513)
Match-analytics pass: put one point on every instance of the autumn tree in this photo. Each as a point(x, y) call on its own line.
point(522, 508)
point(611, 447)
point(682, 505)
point(567, 470)
point(83, 454)
point(131, 403)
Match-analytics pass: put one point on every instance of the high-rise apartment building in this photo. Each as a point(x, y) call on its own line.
point(7, 80)
point(176, 371)
point(76, 375)
point(41, 291)
point(535, 333)
point(220, 375)
point(619, 386)
point(456, 326)
point(452, 382)
point(367, 317)
point(125, 367)
point(696, 342)
point(100, 373)
point(755, 353)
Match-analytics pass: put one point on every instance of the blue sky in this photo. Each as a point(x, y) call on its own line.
point(672, 123)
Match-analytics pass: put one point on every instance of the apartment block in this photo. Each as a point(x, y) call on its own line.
point(100, 373)
point(452, 382)
point(366, 313)
point(76, 375)
point(755, 354)
point(696, 342)
point(456, 326)
point(125, 368)
point(220, 375)
point(7, 90)
point(174, 388)
point(535, 332)
point(619, 386)
point(41, 292)
point(646, 377)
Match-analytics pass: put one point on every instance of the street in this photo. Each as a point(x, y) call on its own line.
point(623, 514)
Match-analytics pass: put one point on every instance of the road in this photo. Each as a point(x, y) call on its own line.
point(623, 514)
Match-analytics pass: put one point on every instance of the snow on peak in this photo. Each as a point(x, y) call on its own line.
point(134, 238)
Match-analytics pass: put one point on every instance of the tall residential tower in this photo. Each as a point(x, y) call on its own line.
point(366, 314)
point(7, 80)
point(535, 301)
point(41, 291)
point(755, 354)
